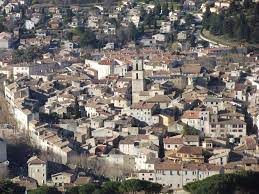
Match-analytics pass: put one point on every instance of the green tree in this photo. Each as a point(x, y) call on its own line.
point(7, 187)
point(165, 9)
point(157, 9)
point(216, 22)
point(161, 151)
point(134, 185)
point(77, 109)
point(143, 13)
point(206, 18)
point(189, 19)
point(188, 130)
point(247, 4)
point(45, 190)
point(2, 27)
point(132, 32)
point(243, 28)
point(228, 27)
point(89, 189)
point(240, 182)
point(111, 187)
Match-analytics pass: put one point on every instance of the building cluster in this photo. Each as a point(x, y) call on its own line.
point(117, 104)
point(123, 106)
point(52, 26)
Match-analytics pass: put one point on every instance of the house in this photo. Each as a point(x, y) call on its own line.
point(187, 154)
point(173, 143)
point(37, 169)
point(159, 38)
point(29, 25)
point(235, 128)
point(145, 159)
point(120, 102)
point(27, 182)
point(28, 69)
point(191, 140)
point(132, 144)
point(182, 36)
point(23, 115)
point(15, 91)
point(163, 101)
point(215, 103)
point(147, 42)
point(144, 111)
point(198, 118)
point(49, 141)
point(104, 67)
point(62, 178)
point(6, 40)
point(176, 175)
point(166, 27)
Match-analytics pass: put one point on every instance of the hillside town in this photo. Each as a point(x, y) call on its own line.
point(123, 90)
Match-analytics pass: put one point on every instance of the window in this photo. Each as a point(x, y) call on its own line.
point(136, 75)
point(213, 126)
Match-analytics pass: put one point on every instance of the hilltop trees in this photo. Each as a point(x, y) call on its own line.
point(238, 22)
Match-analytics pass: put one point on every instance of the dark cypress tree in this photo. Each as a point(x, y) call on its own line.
point(243, 30)
point(161, 151)
point(157, 9)
point(77, 109)
point(228, 26)
point(206, 18)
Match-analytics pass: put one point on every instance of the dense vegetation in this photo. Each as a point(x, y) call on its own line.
point(242, 182)
point(128, 186)
point(188, 130)
point(112, 187)
point(240, 22)
point(45, 190)
point(7, 187)
point(29, 54)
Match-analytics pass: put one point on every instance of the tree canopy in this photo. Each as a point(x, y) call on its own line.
point(7, 187)
point(243, 18)
point(188, 130)
point(131, 185)
point(241, 182)
point(45, 190)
